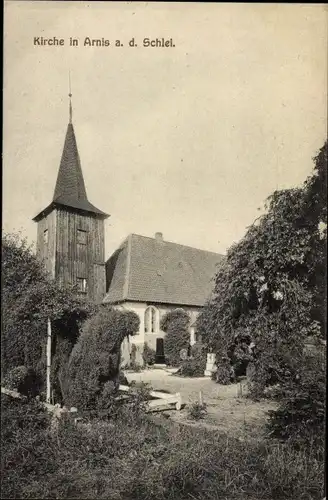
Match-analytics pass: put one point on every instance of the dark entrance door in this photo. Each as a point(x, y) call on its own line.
point(160, 358)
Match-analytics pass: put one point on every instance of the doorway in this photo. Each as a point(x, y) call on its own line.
point(160, 358)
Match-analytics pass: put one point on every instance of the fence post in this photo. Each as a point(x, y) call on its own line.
point(48, 395)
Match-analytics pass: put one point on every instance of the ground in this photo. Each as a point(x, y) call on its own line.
point(228, 408)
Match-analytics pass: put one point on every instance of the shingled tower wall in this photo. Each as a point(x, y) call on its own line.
point(70, 236)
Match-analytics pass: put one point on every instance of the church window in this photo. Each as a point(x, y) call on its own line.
point(45, 236)
point(82, 285)
point(81, 237)
point(151, 319)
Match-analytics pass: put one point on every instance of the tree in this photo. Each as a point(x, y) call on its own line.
point(29, 297)
point(92, 373)
point(269, 289)
point(176, 326)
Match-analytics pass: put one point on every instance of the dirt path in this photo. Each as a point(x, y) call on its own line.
point(227, 409)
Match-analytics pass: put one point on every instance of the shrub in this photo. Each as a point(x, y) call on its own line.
point(195, 365)
point(176, 326)
point(94, 364)
point(223, 374)
point(23, 380)
point(26, 453)
point(148, 355)
point(30, 297)
point(197, 411)
point(301, 415)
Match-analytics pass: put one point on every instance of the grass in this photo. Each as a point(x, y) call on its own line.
point(138, 457)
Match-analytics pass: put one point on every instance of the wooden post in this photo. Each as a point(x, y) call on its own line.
point(48, 396)
point(201, 402)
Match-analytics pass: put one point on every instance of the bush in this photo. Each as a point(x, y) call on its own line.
point(26, 453)
point(301, 415)
point(195, 365)
point(94, 364)
point(23, 380)
point(224, 372)
point(197, 411)
point(148, 355)
point(30, 297)
point(176, 326)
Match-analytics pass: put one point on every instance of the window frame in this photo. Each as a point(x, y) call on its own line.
point(79, 233)
point(151, 320)
point(84, 287)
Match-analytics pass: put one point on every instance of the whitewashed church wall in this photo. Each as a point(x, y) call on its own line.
point(150, 337)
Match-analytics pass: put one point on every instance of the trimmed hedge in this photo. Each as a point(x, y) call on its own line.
point(176, 326)
point(94, 364)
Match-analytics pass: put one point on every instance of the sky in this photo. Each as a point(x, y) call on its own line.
point(187, 140)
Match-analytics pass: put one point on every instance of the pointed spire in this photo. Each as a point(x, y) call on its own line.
point(70, 108)
point(70, 188)
point(70, 98)
point(70, 183)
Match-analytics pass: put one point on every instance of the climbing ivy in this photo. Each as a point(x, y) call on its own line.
point(270, 290)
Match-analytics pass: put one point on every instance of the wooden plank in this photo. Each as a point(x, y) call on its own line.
point(161, 395)
point(13, 394)
point(153, 394)
point(160, 402)
point(162, 398)
point(124, 388)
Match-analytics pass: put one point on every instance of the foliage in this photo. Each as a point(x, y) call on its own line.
point(223, 374)
point(195, 364)
point(25, 453)
point(197, 411)
point(134, 365)
point(132, 458)
point(270, 288)
point(29, 298)
point(301, 414)
point(93, 367)
point(176, 326)
point(148, 355)
point(23, 380)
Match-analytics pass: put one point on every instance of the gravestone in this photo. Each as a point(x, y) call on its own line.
point(210, 364)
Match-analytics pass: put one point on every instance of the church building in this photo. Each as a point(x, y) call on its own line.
point(149, 276)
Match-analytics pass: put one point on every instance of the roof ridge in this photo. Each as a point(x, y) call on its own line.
point(126, 284)
point(178, 244)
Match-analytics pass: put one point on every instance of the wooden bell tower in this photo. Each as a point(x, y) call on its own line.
point(70, 236)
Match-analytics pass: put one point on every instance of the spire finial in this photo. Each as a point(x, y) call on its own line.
point(70, 97)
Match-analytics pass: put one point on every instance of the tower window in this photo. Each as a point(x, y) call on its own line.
point(81, 237)
point(82, 285)
point(45, 236)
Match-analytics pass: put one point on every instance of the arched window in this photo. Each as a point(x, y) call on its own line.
point(151, 319)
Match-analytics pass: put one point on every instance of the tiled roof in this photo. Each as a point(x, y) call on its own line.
point(149, 270)
point(70, 188)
